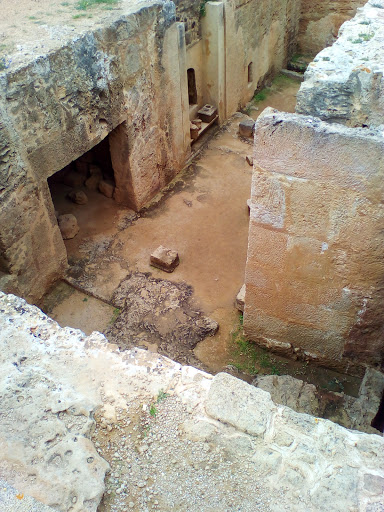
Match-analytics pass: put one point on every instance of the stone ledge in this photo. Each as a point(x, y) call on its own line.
point(307, 463)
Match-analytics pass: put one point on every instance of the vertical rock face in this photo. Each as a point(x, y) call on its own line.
point(314, 272)
point(320, 22)
point(344, 83)
point(88, 87)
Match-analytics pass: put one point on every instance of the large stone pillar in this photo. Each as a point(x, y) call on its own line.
point(213, 34)
point(314, 274)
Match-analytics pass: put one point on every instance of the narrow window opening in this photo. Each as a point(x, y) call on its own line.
point(250, 72)
point(192, 91)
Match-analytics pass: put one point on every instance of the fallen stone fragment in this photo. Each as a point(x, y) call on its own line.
point(106, 187)
point(68, 226)
point(240, 299)
point(95, 170)
point(246, 128)
point(249, 160)
point(194, 131)
point(165, 259)
point(78, 197)
point(207, 326)
point(197, 122)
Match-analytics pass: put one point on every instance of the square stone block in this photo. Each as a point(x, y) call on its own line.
point(165, 259)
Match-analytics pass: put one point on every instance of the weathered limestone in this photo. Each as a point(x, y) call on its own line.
point(344, 83)
point(99, 83)
point(314, 269)
point(246, 128)
point(320, 21)
point(350, 412)
point(57, 385)
point(78, 196)
point(68, 226)
point(165, 259)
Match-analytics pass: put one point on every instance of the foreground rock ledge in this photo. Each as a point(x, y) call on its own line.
point(255, 454)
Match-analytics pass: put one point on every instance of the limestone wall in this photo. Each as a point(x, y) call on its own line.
point(189, 13)
point(314, 275)
point(57, 106)
point(74, 406)
point(320, 21)
point(344, 84)
point(261, 32)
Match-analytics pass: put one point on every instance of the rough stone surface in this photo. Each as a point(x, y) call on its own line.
point(240, 299)
point(315, 246)
point(159, 314)
point(106, 187)
point(95, 80)
point(246, 128)
point(344, 83)
point(294, 393)
point(78, 197)
point(93, 182)
point(68, 226)
point(350, 412)
point(173, 436)
point(165, 259)
point(320, 21)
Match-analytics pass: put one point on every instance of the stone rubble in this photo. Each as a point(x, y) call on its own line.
point(68, 226)
point(175, 438)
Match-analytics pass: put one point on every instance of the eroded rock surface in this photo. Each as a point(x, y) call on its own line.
point(344, 83)
point(175, 437)
point(350, 412)
point(161, 315)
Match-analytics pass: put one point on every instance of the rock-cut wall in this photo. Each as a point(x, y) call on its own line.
point(320, 21)
point(55, 107)
point(314, 274)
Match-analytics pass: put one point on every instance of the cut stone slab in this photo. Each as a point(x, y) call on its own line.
point(165, 259)
point(107, 187)
point(68, 226)
point(246, 128)
point(78, 197)
point(240, 299)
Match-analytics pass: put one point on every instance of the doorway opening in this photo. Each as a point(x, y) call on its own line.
point(84, 191)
